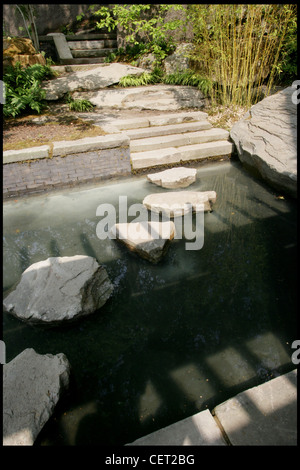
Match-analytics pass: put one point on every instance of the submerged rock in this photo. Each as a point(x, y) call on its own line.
point(150, 240)
point(174, 178)
point(32, 386)
point(266, 139)
point(178, 203)
point(59, 289)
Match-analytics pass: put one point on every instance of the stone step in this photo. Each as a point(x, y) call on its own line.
point(91, 53)
point(166, 130)
point(82, 60)
point(160, 120)
point(177, 140)
point(87, 45)
point(172, 155)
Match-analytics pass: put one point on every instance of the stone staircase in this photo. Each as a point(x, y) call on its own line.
point(172, 139)
point(83, 48)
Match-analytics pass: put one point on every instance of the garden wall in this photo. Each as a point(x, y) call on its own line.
point(38, 175)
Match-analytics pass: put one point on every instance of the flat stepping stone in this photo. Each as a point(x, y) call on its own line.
point(179, 203)
point(150, 240)
point(263, 415)
point(59, 289)
point(32, 386)
point(174, 178)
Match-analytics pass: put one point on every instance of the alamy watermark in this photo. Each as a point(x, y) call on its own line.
point(295, 99)
point(188, 221)
point(2, 92)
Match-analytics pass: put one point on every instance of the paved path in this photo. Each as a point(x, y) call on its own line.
point(265, 415)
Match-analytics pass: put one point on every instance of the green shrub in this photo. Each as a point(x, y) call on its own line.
point(22, 89)
point(79, 105)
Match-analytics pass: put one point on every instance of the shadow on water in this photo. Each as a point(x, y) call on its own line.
point(178, 337)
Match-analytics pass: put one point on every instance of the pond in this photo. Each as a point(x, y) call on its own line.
point(177, 337)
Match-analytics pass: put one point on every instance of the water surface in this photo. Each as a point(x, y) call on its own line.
point(176, 338)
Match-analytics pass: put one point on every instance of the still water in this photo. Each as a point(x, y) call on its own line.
point(175, 338)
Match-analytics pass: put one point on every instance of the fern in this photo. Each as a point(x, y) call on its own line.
point(22, 89)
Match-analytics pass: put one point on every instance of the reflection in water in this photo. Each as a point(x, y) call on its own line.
point(177, 337)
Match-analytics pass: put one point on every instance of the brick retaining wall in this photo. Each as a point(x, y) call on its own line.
point(35, 176)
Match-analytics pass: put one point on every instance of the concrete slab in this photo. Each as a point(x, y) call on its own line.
point(262, 415)
point(168, 129)
point(199, 429)
point(33, 153)
point(177, 140)
point(166, 156)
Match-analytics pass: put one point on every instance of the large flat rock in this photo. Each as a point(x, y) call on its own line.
point(59, 289)
point(155, 97)
point(150, 240)
point(174, 178)
point(266, 139)
point(32, 386)
point(263, 415)
point(179, 203)
point(99, 77)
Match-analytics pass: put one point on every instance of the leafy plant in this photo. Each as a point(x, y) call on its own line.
point(191, 78)
point(146, 78)
point(79, 105)
point(143, 26)
point(22, 89)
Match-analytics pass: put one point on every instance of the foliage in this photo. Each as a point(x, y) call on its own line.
point(146, 78)
point(239, 47)
point(138, 21)
point(22, 89)
point(189, 77)
point(79, 105)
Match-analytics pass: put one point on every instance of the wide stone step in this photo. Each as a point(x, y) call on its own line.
point(160, 120)
point(169, 129)
point(178, 140)
point(91, 52)
point(174, 155)
point(82, 60)
point(86, 44)
point(91, 45)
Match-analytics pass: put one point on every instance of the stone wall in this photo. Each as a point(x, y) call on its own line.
point(36, 176)
point(49, 17)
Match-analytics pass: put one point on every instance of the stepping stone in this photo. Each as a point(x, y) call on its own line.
point(32, 386)
point(150, 240)
point(179, 203)
point(59, 289)
point(174, 178)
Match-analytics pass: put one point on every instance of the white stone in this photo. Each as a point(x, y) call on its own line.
point(32, 386)
point(59, 289)
point(178, 203)
point(150, 240)
point(174, 178)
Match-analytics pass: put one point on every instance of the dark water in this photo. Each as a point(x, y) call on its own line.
point(175, 338)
